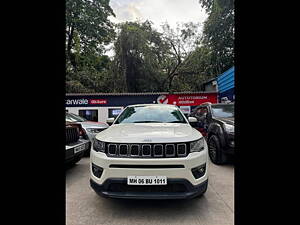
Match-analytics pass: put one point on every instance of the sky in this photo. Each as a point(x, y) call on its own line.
point(158, 11)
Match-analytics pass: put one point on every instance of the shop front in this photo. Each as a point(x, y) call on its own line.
point(99, 107)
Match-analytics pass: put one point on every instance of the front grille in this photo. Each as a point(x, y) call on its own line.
point(72, 135)
point(122, 187)
point(147, 150)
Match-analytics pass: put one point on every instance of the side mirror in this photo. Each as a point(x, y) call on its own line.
point(192, 119)
point(110, 121)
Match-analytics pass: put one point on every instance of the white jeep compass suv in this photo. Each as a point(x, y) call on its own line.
point(149, 152)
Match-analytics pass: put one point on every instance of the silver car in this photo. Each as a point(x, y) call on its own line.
point(90, 127)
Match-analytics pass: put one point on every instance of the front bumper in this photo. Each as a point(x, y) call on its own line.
point(229, 147)
point(118, 188)
point(70, 153)
point(135, 166)
point(177, 170)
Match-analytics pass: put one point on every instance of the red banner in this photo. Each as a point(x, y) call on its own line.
point(97, 101)
point(187, 99)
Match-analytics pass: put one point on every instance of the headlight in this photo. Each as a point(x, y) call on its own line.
point(229, 128)
point(99, 146)
point(93, 130)
point(197, 146)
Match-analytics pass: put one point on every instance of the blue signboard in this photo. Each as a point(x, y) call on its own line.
point(226, 84)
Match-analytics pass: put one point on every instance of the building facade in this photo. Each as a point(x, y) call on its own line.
point(101, 106)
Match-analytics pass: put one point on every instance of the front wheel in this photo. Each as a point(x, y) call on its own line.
point(215, 152)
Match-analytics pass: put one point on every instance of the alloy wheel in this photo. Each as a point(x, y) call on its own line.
point(212, 150)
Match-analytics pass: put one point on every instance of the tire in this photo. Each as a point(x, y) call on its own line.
point(215, 152)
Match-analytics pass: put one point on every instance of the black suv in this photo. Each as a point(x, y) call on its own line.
point(216, 123)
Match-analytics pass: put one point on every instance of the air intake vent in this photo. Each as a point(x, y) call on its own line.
point(181, 149)
point(170, 150)
point(146, 150)
point(112, 149)
point(158, 150)
point(123, 150)
point(134, 150)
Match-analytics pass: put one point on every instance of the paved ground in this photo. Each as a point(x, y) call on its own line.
point(84, 206)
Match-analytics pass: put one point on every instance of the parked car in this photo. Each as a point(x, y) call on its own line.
point(76, 144)
point(216, 123)
point(91, 128)
point(149, 152)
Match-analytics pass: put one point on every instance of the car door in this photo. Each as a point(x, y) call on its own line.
point(201, 115)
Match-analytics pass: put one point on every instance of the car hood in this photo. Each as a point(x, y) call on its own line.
point(229, 120)
point(91, 124)
point(149, 133)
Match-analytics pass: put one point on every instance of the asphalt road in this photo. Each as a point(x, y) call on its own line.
point(84, 206)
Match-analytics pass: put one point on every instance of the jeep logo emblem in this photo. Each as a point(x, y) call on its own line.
point(147, 140)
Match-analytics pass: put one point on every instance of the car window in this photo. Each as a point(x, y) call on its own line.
point(223, 110)
point(151, 114)
point(74, 118)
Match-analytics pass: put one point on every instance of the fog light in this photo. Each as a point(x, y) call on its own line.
point(199, 171)
point(97, 171)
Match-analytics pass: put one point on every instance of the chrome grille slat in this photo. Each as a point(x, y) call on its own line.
point(110, 150)
point(121, 153)
point(157, 146)
point(170, 153)
point(179, 153)
point(144, 149)
point(138, 150)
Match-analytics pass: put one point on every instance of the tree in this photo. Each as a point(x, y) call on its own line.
point(87, 27)
point(182, 42)
point(88, 30)
point(218, 33)
point(139, 50)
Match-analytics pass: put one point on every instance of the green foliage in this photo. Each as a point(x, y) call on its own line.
point(145, 60)
point(218, 33)
point(138, 53)
point(88, 29)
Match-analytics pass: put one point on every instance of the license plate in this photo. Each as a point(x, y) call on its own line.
point(79, 148)
point(146, 180)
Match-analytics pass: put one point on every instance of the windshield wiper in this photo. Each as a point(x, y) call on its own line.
point(148, 121)
point(177, 121)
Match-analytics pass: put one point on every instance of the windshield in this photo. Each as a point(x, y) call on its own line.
point(74, 118)
point(223, 110)
point(151, 114)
